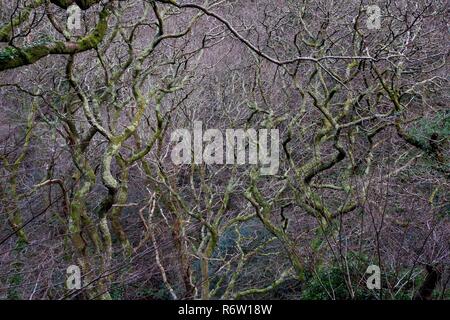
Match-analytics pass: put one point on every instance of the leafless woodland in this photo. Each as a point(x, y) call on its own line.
point(86, 176)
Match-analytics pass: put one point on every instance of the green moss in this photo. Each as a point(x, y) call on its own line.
point(153, 293)
point(7, 28)
point(35, 53)
point(425, 127)
point(8, 53)
point(92, 40)
point(353, 64)
point(15, 281)
point(12, 57)
point(331, 280)
point(117, 292)
point(20, 245)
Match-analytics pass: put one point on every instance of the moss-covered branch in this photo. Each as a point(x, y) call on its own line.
point(13, 57)
point(24, 14)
